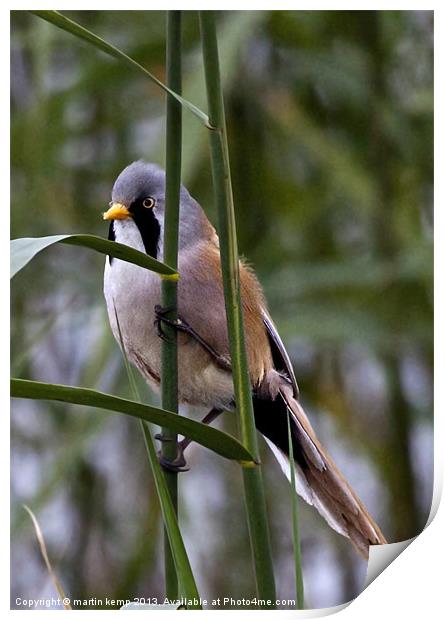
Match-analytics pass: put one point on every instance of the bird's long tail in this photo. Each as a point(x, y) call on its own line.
point(318, 480)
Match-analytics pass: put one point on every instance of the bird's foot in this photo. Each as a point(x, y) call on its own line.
point(177, 465)
point(161, 317)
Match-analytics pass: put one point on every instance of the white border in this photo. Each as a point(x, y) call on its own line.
point(412, 585)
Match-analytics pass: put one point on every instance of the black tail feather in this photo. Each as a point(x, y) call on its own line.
point(271, 420)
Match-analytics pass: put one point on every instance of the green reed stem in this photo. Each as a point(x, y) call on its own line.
point(253, 485)
point(170, 251)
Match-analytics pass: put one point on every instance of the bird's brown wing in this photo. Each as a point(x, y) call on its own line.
point(201, 271)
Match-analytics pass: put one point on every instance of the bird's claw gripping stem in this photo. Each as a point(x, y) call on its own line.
point(161, 317)
point(177, 465)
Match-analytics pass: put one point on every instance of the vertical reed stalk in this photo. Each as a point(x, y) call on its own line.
point(170, 250)
point(254, 492)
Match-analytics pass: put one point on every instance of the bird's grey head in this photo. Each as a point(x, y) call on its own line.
point(137, 210)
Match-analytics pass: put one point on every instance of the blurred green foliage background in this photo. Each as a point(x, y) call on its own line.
point(330, 121)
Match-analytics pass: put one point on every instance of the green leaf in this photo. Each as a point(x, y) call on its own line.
point(181, 562)
point(23, 250)
point(211, 438)
point(59, 20)
point(182, 567)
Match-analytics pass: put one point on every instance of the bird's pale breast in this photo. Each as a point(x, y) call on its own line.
point(131, 293)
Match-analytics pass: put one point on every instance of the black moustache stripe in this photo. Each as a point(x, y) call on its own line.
point(111, 237)
point(149, 229)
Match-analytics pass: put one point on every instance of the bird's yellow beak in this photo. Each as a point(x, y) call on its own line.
point(117, 211)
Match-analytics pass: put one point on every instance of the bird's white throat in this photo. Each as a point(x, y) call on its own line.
point(126, 232)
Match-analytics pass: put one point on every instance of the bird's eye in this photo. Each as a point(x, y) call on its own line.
point(149, 202)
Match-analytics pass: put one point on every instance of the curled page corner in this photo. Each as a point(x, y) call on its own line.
point(381, 556)
point(437, 494)
point(321, 612)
